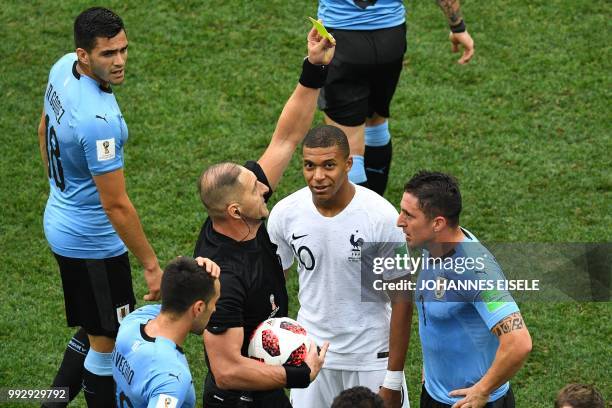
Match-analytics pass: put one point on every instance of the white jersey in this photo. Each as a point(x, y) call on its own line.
point(328, 250)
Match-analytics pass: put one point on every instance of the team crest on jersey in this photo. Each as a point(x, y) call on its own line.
point(356, 244)
point(105, 149)
point(166, 401)
point(122, 311)
point(440, 287)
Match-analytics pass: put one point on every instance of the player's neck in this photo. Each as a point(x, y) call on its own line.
point(238, 230)
point(445, 241)
point(85, 70)
point(173, 329)
point(337, 203)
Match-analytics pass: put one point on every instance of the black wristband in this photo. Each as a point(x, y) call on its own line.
point(297, 377)
point(313, 76)
point(459, 28)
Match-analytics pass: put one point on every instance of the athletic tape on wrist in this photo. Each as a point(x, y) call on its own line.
point(313, 76)
point(297, 377)
point(393, 380)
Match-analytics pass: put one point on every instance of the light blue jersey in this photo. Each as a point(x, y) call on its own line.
point(361, 14)
point(85, 134)
point(455, 324)
point(149, 372)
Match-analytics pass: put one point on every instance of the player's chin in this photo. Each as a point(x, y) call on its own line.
point(117, 78)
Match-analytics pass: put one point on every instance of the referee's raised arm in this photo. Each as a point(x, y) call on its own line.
point(297, 115)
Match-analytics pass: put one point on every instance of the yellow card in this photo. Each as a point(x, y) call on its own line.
point(321, 29)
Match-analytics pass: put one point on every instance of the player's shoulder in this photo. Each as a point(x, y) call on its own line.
point(142, 314)
point(63, 65)
point(298, 199)
point(376, 206)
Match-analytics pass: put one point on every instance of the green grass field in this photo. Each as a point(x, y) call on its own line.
point(524, 127)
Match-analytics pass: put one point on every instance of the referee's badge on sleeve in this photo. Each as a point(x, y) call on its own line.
point(105, 149)
point(122, 311)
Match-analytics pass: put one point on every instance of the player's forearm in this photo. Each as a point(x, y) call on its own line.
point(510, 357)
point(452, 11)
point(399, 335)
point(296, 117)
point(124, 218)
point(250, 375)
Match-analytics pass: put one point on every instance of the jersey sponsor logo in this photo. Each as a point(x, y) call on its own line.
point(356, 244)
point(294, 237)
point(303, 253)
point(122, 311)
point(105, 149)
point(166, 401)
point(175, 376)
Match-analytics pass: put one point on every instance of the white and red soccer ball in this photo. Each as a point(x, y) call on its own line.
point(279, 341)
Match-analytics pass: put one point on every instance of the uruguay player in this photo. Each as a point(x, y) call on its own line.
point(149, 366)
point(89, 219)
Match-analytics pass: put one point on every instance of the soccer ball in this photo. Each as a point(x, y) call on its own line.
point(279, 341)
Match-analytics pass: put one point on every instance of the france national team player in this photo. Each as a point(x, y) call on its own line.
point(89, 219)
point(149, 365)
point(371, 42)
point(473, 338)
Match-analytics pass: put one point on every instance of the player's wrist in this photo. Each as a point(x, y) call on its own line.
point(393, 380)
point(458, 28)
point(313, 76)
point(297, 377)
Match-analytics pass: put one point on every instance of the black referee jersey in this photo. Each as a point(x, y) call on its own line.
point(252, 279)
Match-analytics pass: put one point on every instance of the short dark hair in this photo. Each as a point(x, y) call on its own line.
point(327, 136)
point(358, 397)
point(579, 396)
point(183, 283)
point(93, 23)
point(438, 195)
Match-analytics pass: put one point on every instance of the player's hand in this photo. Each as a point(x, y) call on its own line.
point(152, 277)
point(392, 398)
point(320, 50)
point(210, 266)
point(464, 39)
point(315, 359)
point(474, 397)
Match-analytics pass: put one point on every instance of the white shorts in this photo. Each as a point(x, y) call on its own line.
point(329, 383)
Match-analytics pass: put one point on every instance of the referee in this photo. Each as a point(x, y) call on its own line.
point(89, 219)
point(252, 282)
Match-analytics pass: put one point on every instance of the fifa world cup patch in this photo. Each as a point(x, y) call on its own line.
point(166, 401)
point(122, 311)
point(105, 149)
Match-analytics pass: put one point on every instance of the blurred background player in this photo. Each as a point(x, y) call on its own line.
point(149, 365)
point(89, 219)
point(474, 341)
point(579, 396)
point(371, 42)
point(325, 226)
point(235, 237)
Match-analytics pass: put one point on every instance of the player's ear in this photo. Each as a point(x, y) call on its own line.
point(83, 56)
point(439, 223)
point(349, 163)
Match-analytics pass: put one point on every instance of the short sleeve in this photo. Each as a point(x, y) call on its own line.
point(493, 305)
point(102, 146)
point(275, 230)
point(230, 306)
point(170, 392)
point(261, 176)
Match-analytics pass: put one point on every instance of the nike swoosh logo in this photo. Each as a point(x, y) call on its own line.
point(294, 237)
point(101, 117)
